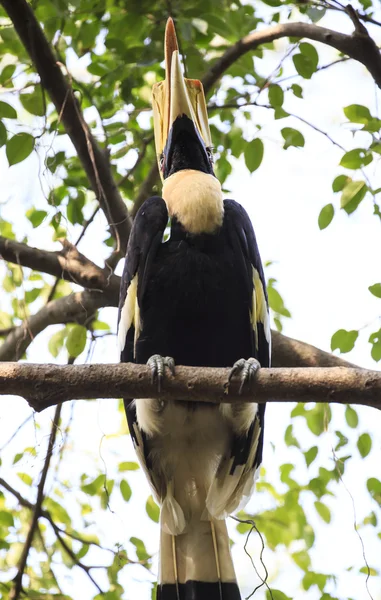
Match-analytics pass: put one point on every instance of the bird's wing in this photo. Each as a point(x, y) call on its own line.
point(144, 241)
point(236, 473)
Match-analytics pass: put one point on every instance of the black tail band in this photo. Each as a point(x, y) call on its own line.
point(198, 590)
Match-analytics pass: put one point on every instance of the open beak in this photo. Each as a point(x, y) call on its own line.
point(179, 109)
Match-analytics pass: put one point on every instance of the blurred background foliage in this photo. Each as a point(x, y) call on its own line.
point(111, 52)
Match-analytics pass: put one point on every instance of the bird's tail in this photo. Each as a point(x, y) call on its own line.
point(197, 565)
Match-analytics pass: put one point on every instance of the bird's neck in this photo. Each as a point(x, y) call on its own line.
point(195, 199)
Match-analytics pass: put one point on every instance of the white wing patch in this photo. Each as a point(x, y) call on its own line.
point(259, 312)
point(130, 314)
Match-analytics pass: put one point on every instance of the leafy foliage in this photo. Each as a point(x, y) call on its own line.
point(112, 52)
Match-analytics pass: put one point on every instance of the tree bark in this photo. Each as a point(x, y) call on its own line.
point(46, 385)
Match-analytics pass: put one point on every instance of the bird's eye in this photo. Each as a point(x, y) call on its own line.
point(161, 162)
point(209, 152)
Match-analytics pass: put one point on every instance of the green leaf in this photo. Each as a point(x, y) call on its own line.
point(34, 102)
point(298, 90)
point(369, 571)
point(95, 486)
point(351, 416)
point(36, 216)
point(152, 509)
point(276, 595)
point(317, 418)
point(56, 342)
point(307, 61)
point(289, 437)
point(125, 490)
point(374, 488)
point(141, 551)
point(76, 340)
point(326, 216)
point(323, 511)
point(25, 478)
point(276, 95)
point(344, 340)
point(3, 134)
point(276, 302)
point(340, 182)
point(343, 440)
point(353, 193)
point(375, 290)
point(19, 147)
point(18, 457)
point(6, 518)
point(254, 154)
point(364, 444)
point(302, 559)
point(7, 111)
point(310, 455)
point(356, 113)
point(128, 466)
point(292, 137)
point(32, 295)
point(375, 340)
point(357, 158)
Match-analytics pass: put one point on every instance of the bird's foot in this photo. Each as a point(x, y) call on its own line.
point(247, 370)
point(157, 365)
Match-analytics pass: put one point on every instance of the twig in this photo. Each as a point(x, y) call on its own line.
point(17, 587)
point(86, 225)
point(289, 114)
point(16, 432)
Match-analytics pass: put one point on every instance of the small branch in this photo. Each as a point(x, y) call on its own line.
point(57, 530)
point(67, 264)
point(359, 46)
point(46, 385)
point(79, 307)
point(86, 224)
point(92, 157)
point(17, 588)
point(74, 558)
point(234, 105)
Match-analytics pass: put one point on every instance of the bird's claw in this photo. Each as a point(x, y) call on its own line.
point(157, 365)
point(247, 370)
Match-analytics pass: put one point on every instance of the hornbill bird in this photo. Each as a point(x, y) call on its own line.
point(194, 297)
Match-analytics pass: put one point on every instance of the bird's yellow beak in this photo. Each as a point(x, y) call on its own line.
point(175, 97)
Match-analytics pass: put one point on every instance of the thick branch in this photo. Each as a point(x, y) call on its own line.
point(359, 46)
point(93, 159)
point(288, 352)
point(79, 307)
point(46, 385)
point(67, 264)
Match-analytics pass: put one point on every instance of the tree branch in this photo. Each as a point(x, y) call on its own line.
point(288, 352)
point(67, 264)
point(359, 46)
point(92, 157)
point(79, 307)
point(17, 587)
point(46, 385)
point(57, 530)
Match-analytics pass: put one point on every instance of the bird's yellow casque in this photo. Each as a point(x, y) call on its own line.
point(176, 96)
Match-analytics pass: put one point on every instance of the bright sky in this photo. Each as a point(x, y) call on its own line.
point(324, 279)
